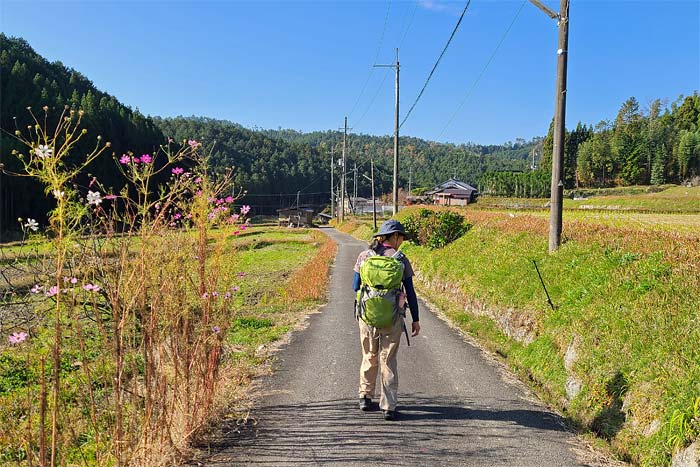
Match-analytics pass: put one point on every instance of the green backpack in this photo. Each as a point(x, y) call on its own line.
point(378, 298)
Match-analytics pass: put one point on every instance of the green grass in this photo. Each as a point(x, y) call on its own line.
point(632, 313)
point(664, 199)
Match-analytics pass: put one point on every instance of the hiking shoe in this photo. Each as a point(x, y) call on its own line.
point(365, 404)
point(389, 415)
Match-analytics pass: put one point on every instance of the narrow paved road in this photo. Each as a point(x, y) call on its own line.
point(457, 408)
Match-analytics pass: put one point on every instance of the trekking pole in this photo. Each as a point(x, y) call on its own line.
point(543, 286)
point(405, 329)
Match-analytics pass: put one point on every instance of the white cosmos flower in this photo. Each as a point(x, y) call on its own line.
point(32, 224)
point(93, 197)
point(43, 151)
point(58, 194)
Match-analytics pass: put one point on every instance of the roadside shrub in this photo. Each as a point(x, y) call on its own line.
point(435, 229)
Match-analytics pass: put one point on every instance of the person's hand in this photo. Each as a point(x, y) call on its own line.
point(415, 327)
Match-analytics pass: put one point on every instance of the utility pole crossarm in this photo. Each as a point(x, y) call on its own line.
point(547, 11)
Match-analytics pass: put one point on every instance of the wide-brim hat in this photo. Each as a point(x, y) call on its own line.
point(389, 227)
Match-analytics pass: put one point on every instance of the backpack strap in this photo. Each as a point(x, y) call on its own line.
point(398, 255)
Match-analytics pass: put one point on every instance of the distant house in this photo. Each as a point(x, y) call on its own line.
point(296, 217)
point(453, 192)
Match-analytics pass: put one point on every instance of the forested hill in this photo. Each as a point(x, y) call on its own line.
point(29, 80)
point(271, 170)
point(427, 163)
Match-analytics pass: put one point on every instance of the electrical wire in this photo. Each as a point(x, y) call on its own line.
point(386, 73)
point(371, 70)
point(437, 62)
point(469, 93)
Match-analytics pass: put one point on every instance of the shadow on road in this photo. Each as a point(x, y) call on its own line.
point(337, 431)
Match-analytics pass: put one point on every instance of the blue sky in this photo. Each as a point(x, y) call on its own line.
point(304, 64)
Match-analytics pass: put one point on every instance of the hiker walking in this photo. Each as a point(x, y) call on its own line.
point(384, 283)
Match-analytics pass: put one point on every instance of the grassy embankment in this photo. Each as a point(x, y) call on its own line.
point(626, 312)
point(281, 276)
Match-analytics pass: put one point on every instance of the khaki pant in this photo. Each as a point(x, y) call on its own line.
point(379, 351)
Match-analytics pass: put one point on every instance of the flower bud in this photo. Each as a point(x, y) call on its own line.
point(46, 108)
point(81, 112)
point(17, 132)
point(84, 131)
point(99, 137)
point(108, 144)
point(29, 108)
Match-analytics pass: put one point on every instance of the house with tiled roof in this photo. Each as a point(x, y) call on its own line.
point(453, 192)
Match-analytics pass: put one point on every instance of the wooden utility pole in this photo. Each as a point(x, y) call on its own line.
point(354, 188)
point(332, 187)
point(557, 186)
point(396, 134)
point(342, 177)
point(374, 200)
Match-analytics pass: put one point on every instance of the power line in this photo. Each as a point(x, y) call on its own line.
point(371, 70)
point(284, 194)
point(454, 31)
point(469, 93)
point(410, 22)
point(381, 85)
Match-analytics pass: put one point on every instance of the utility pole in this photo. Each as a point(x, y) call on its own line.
point(396, 135)
point(354, 188)
point(374, 200)
point(342, 179)
point(557, 186)
point(332, 194)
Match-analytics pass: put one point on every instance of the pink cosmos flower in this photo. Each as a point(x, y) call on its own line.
point(229, 199)
point(198, 179)
point(245, 209)
point(243, 227)
point(235, 217)
point(205, 296)
point(17, 337)
point(237, 232)
point(91, 288)
point(188, 216)
point(146, 159)
point(235, 288)
point(52, 291)
point(136, 160)
point(215, 294)
point(193, 144)
point(215, 329)
point(74, 280)
point(124, 159)
point(211, 216)
point(170, 140)
point(178, 170)
point(37, 288)
point(110, 196)
point(241, 274)
point(227, 295)
point(177, 216)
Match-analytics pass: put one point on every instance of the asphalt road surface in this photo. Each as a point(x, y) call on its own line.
point(457, 406)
